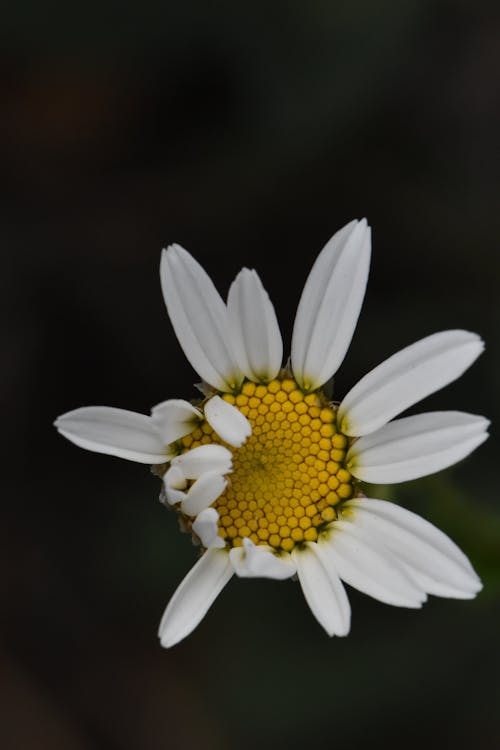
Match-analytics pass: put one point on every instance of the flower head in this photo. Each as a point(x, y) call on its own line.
point(267, 472)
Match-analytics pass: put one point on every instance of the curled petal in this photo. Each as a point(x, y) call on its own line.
point(203, 493)
point(205, 526)
point(174, 482)
point(202, 459)
point(227, 421)
point(259, 561)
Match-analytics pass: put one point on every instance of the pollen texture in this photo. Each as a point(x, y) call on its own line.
point(290, 474)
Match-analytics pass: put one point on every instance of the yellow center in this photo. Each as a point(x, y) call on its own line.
point(289, 475)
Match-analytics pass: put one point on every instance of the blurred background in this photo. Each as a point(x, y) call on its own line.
point(248, 134)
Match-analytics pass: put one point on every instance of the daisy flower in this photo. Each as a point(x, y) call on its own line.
point(267, 472)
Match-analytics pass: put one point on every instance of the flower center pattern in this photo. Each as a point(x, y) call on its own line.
point(289, 475)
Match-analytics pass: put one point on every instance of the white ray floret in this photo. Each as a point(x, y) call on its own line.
point(330, 305)
point(227, 421)
point(206, 528)
point(255, 334)
point(435, 562)
point(199, 317)
point(322, 588)
point(368, 567)
point(252, 561)
point(406, 378)
point(115, 432)
point(416, 446)
point(175, 478)
point(203, 493)
point(174, 483)
point(195, 595)
point(203, 459)
point(175, 418)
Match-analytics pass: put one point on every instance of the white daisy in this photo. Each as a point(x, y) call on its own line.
point(266, 471)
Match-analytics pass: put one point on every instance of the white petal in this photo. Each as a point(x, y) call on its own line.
point(115, 432)
point(255, 334)
point(364, 563)
point(174, 496)
point(195, 595)
point(405, 378)
point(433, 584)
point(228, 422)
point(199, 318)
point(205, 526)
point(322, 587)
point(174, 482)
point(416, 446)
point(175, 479)
point(175, 418)
point(436, 564)
point(259, 561)
point(330, 305)
point(203, 493)
point(202, 459)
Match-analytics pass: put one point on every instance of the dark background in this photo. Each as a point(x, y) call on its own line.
point(249, 134)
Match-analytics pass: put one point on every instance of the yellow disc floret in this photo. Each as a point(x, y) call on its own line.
point(289, 475)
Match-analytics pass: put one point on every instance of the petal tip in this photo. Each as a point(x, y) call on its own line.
point(167, 640)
